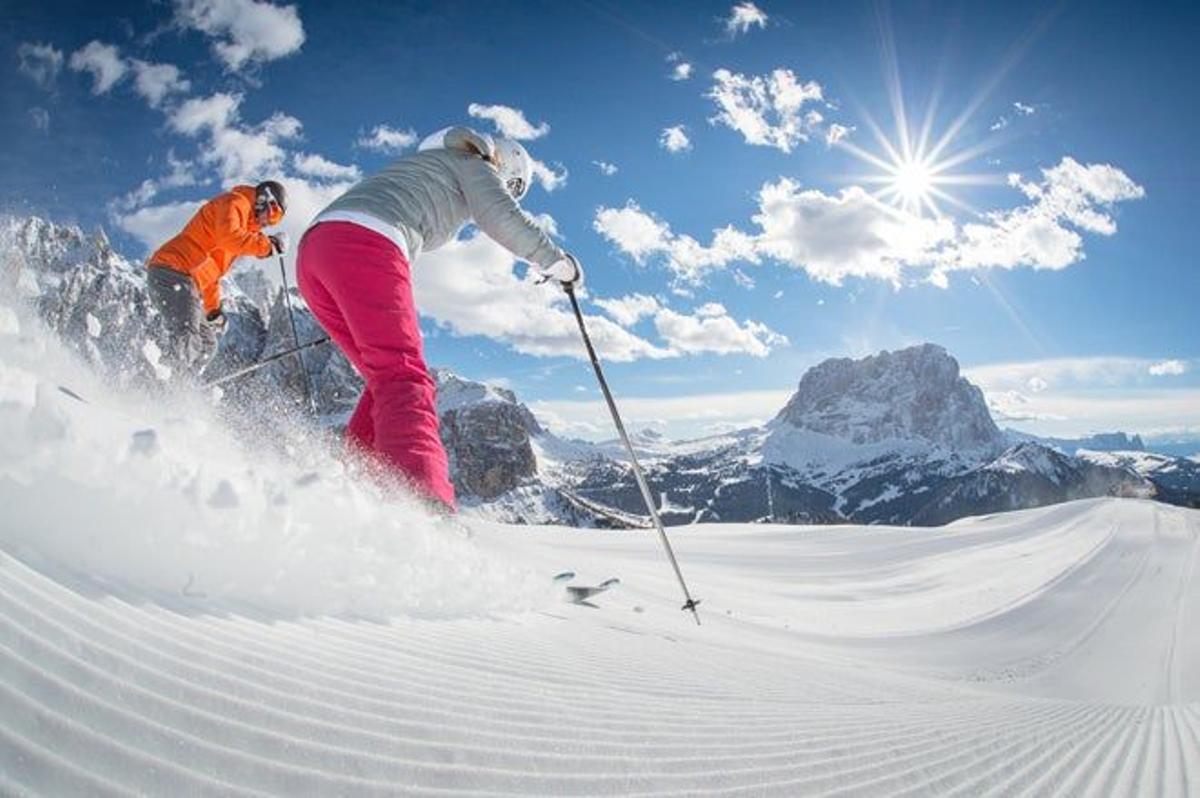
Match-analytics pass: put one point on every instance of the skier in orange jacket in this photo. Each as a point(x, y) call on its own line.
point(184, 274)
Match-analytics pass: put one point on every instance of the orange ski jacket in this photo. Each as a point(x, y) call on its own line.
point(223, 230)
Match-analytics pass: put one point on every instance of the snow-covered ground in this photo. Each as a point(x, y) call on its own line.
point(186, 611)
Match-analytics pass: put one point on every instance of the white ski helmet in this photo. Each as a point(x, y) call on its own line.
point(516, 168)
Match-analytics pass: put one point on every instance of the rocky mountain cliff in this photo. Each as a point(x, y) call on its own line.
point(911, 394)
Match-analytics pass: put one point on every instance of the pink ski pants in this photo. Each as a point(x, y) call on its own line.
point(358, 285)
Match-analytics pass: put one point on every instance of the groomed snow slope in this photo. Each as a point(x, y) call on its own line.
point(292, 634)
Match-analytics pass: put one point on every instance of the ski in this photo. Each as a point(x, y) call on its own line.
point(579, 594)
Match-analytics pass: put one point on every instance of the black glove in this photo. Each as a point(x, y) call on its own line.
point(279, 242)
point(216, 319)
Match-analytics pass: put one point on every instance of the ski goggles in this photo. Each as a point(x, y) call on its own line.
point(267, 201)
point(516, 187)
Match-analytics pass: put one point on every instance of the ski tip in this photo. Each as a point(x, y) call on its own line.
point(565, 576)
point(610, 582)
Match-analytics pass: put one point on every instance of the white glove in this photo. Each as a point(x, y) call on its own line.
point(565, 271)
point(279, 242)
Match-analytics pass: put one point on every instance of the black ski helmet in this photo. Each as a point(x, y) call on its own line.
point(269, 190)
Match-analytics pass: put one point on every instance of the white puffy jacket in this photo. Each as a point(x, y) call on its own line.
point(428, 197)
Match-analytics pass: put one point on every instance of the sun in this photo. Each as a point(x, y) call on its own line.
point(915, 167)
point(911, 182)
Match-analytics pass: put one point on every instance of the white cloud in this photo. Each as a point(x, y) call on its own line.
point(674, 139)
point(835, 133)
point(246, 31)
point(103, 61)
point(1086, 395)
point(1023, 109)
point(511, 122)
point(200, 113)
point(629, 310)
point(41, 63)
point(768, 110)
point(641, 235)
point(1136, 411)
point(606, 169)
point(551, 179)
point(469, 287)
point(321, 167)
point(744, 16)
point(40, 119)
point(681, 71)
point(679, 417)
point(1039, 376)
point(999, 124)
point(154, 225)
point(1168, 368)
point(155, 81)
point(712, 329)
point(1043, 234)
point(635, 232)
point(852, 234)
point(708, 329)
point(241, 153)
point(387, 139)
point(182, 175)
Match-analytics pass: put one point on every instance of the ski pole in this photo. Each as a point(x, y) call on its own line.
point(299, 350)
point(690, 603)
point(265, 361)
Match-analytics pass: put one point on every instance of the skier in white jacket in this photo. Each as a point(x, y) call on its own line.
point(354, 270)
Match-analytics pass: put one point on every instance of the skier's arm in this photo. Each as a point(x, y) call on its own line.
point(210, 292)
point(239, 238)
point(496, 213)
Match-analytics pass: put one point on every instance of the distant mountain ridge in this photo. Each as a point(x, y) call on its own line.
point(898, 437)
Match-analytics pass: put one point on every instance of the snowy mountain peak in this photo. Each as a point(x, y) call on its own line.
point(1033, 458)
point(455, 392)
point(48, 249)
point(911, 394)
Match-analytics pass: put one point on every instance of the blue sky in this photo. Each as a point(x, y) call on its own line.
point(1060, 270)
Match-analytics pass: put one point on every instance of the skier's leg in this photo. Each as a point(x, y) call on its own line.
point(368, 278)
point(360, 432)
point(175, 297)
point(310, 268)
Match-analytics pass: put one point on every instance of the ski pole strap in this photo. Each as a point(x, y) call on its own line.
point(690, 603)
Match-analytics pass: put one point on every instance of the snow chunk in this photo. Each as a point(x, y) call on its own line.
point(153, 356)
point(9, 323)
point(94, 327)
